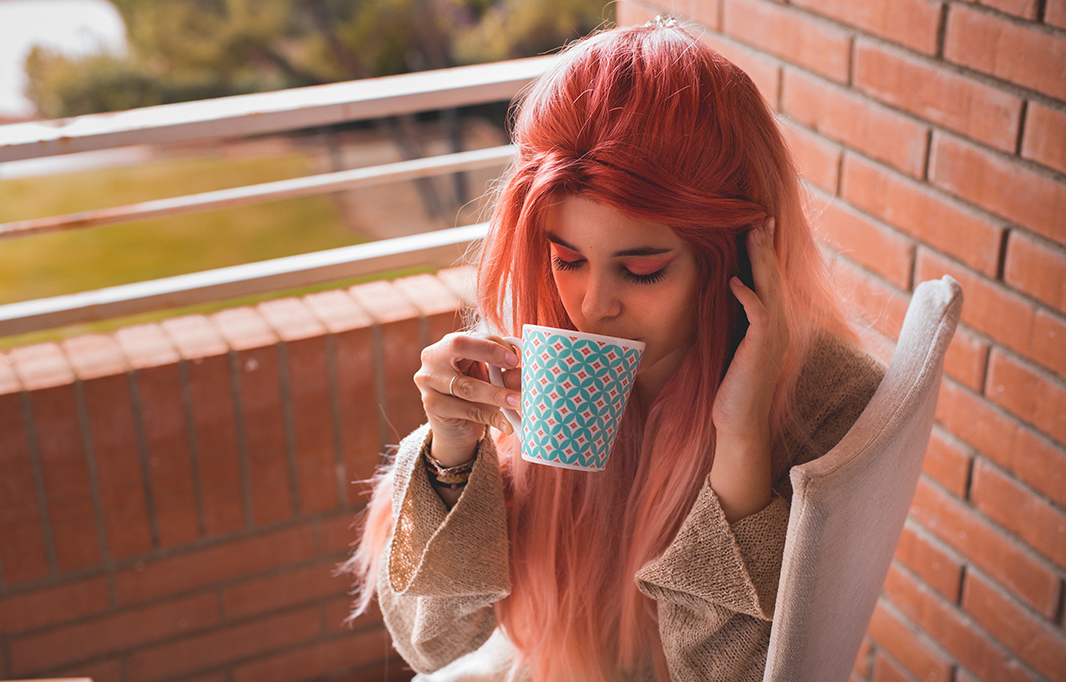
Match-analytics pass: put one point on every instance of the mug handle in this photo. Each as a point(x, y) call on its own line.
point(496, 377)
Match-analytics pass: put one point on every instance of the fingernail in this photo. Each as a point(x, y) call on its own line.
point(511, 359)
point(503, 425)
point(512, 400)
point(770, 224)
point(758, 236)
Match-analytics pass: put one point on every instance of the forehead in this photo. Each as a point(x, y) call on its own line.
point(586, 224)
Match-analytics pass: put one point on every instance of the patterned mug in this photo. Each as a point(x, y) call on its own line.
point(574, 390)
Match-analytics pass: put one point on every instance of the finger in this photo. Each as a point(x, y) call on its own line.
point(492, 350)
point(477, 391)
point(760, 243)
point(449, 411)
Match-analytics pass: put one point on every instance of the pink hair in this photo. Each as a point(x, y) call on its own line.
point(651, 122)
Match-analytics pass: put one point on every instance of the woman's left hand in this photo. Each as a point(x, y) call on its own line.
point(740, 474)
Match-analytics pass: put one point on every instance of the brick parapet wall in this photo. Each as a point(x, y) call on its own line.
point(932, 137)
point(175, 498)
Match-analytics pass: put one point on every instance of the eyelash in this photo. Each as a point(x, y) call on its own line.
point(651, 278)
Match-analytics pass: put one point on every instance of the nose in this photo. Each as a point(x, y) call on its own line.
point(601, 300)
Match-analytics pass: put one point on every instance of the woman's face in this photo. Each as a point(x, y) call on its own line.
point(624, 277)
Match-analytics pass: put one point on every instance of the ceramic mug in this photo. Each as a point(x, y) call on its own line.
point(575, 387)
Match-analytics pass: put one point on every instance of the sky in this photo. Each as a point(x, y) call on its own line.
point(71, 26)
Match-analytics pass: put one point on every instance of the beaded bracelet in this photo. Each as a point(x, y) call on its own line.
point(454, 477)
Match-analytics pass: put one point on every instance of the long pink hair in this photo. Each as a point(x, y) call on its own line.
point(651, 122)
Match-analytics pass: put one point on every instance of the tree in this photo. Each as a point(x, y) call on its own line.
point(192, 49)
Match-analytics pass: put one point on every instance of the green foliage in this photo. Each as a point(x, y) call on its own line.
point(181, 50)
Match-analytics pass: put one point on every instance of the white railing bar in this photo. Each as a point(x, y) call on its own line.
point(439, 249)
point(270, 112)
point(267, 191)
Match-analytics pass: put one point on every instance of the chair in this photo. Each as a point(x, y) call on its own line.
point(849, 506)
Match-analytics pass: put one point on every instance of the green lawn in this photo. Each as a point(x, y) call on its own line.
point(80, 260)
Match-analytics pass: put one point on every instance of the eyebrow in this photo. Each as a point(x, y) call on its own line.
point(625, 253)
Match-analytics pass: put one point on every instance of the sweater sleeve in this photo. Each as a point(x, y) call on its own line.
point(716, 584)
point(443, 570)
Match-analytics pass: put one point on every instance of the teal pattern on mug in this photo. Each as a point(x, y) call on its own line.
point(574, 393)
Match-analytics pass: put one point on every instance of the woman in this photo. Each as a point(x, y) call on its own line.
point(647, 165)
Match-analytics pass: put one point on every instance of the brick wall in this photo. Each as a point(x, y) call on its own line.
point(932, 135)
point(175, 497)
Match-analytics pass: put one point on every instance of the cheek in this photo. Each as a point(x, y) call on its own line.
point(568, 292)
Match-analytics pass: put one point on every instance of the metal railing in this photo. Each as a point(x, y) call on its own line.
point(258, 114)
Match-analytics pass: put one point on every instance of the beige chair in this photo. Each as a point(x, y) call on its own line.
point(848, 507)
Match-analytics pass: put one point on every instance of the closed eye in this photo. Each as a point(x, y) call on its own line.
point(560, 264)
point(650, 278)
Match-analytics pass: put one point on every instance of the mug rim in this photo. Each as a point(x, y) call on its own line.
point(597, 338)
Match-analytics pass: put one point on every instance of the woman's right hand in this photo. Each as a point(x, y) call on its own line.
point(459, 399)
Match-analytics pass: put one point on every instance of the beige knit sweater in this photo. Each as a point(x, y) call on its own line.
point(715, 585)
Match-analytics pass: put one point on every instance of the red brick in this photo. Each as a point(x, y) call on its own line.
point(926, 559)
point(9, 381)
point(22, 540)
point(964, 530)
point(998, 312)
point(232, 643)
point(401, 344)
point(194, 337)
point(461, 280)
point(967, 359)
point(336, 535)
point(878, 248)
point(1024, 56)
point(41, 365)
point(320, 659)
point(213, 420)
point(1026, 9)
point(94, 355)
point(214, 564)
point(938, 95)
point(354, 372)
point(1013, 447)
point(103, 670)
point(817, 159)
point(913, 23)
point(900, 640)
point(437, 304)
point(952, 630)
point(1028, 394)
point(146, 346)
point(260, 407)
point(338, 610)
point(864, 659)
point(71, 511)
point(1000, 185)
point(1020, 511)
point(294, 587)
point(947, 463)
point(1055, 13)
point(53, 605)
point(170, 467)
point(1038, 269)
point(886, 670)
point(923, 214)
point(1033, 640)
point(855, 121)
point(704, 12)
point(310, 401)
point(794, 36)
point(877, 303)
point(115, 632)
point(119, 471)
point(763, 71)
point(1045, 136)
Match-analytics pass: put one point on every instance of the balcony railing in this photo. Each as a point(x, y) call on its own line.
point(258, 114)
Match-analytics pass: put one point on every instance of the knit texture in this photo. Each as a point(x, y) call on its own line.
point(715, 585)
